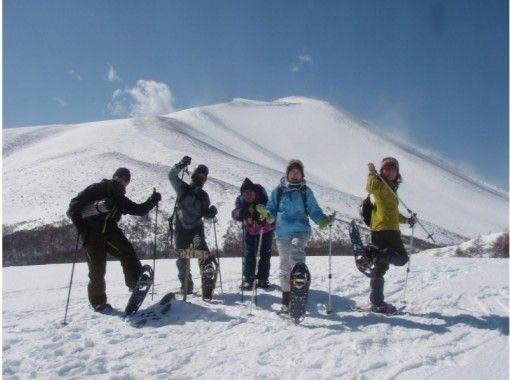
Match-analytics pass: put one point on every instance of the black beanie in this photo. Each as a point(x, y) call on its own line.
point(248, 185)
point(201, 169)
point(123, 173)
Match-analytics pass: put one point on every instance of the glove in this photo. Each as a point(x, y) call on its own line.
point(186, 160)
point(327, 221)
point(212, 211)
point(324, 223)
point(411, 220)
point(371, 167)
point(264, 214)
point(155, 198)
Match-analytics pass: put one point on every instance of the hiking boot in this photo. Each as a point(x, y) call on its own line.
point(246, 285)
point(364, 262)
point(145, 277)
point(384, 308)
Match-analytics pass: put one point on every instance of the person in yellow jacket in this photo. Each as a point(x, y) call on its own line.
point(384, 227)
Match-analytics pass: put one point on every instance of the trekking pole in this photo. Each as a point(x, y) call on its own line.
point(71, 281)
point(328, 311)
point(217, 252)
point(429, 235)
point(242, 265)
point(256, 281)
point(408, 265)
point(154, 248)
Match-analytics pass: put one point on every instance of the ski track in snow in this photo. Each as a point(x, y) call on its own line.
point(455, 326)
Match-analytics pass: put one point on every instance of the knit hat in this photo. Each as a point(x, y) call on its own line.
point(390, 161)
point(200, 169)
point(248, 185)
point(123, 173)
point(295, 164)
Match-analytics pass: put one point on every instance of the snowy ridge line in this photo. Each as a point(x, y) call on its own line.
point(431, 158)
point(237, 142)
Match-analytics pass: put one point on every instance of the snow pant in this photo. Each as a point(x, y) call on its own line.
point(392, 252)
point(97, 246)
point(250, 256)
point(184, 238)
point(291, 251)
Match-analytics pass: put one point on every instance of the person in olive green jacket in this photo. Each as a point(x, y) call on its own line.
point(384, 228)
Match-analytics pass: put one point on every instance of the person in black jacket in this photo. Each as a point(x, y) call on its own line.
point(245, 211)
point(100, 233)
point(192, 206)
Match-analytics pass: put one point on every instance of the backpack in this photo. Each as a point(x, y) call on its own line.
point(365, 210)
point(279, 193)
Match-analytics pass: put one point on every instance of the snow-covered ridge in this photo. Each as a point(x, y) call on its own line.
point(243, 138)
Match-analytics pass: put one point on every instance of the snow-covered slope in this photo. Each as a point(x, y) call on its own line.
point(44, 167)
point(481, 246)
point(456, 328)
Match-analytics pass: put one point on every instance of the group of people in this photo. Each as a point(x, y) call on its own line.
point(284, 215)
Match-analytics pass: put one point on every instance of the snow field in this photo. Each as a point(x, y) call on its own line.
point(456, 326)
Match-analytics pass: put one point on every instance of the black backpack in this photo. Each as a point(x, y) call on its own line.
point(365, 210)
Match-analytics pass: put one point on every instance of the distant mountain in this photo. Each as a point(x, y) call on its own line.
point(45, 166)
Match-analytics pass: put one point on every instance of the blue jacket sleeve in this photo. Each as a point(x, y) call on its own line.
point(314, 209)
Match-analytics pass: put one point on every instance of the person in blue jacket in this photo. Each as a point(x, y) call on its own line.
point(291, 204)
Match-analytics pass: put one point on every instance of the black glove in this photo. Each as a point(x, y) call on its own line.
point(186, 161)
point(411, 220)
point(155, 198)
point(212, 212)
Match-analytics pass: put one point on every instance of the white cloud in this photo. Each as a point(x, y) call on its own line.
point(146, 98)
point(301, 61)
point(112, 74)
point(74, 74)
point(305, 59)
point(60, 101)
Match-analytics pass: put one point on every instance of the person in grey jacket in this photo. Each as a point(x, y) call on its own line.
point(192, 206)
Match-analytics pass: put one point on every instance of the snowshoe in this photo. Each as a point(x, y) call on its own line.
point(385, 308)
point(362, 256)
point(246, 285)
point(140, 290)
point(103, 308)
point(300, 279)
point(208, 280)
point(263, 284)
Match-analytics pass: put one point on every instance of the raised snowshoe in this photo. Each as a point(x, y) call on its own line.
point(140, 290)
point(300, 279)
point(363, 257)
point(209, 274)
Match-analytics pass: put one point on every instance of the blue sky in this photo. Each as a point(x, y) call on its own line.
point(434, 72)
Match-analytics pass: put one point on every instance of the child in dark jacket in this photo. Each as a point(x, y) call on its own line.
point(245, 211)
